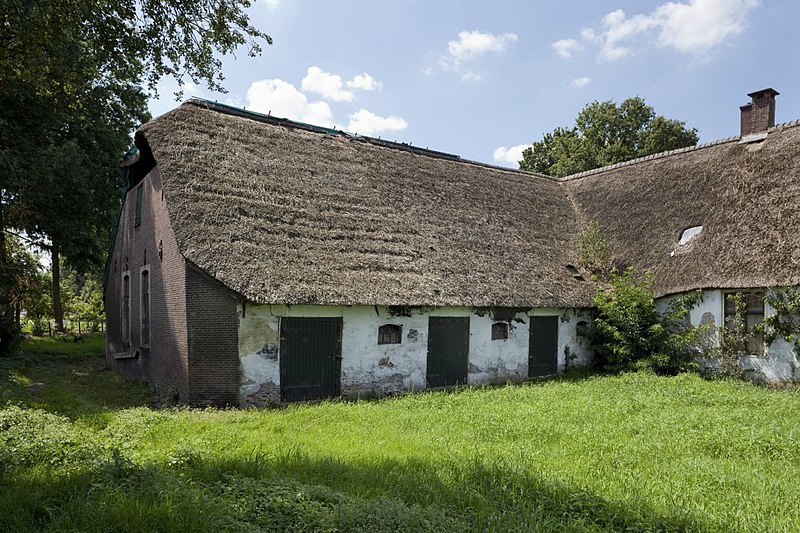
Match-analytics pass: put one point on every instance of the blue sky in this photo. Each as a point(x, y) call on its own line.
point(483, 79)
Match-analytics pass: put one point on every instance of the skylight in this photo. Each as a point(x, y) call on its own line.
point(689, 234)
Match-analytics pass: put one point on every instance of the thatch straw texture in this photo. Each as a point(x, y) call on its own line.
point(286, 215)
point(746, 197)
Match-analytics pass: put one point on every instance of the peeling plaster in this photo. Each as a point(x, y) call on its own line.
point(372, 369)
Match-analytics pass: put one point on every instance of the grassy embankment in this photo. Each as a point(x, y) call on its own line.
point(81, 450)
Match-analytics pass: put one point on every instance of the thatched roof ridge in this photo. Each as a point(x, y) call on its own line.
point(659, 155)
point(270, 119)
point(744, 194)
point(282, 212)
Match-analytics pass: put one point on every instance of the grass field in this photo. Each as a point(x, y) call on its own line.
point(81, 450)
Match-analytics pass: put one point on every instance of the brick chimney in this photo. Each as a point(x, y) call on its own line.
point(759, 115)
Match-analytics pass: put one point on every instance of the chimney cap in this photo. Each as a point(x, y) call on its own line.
point(764, 92)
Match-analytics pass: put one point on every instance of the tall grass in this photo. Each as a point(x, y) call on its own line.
point(634, 452)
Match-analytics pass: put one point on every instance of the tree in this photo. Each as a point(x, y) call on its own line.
point(630, 333)
point(606, 133)
point(22, 281)
point(73, 74)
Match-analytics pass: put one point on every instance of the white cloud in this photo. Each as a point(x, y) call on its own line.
point(470, 45)
point(617, 28)
point(366, 123)
point(566, 47)
point(282, 99)
point(471, 76)
point(272, 5)
point(700, 25)
point(511, 155)
point(583, 81)
point(612, 53)
point(588, 34)
point(327, 84)
point(365, 82)
point(475, 43)
point(693, 27)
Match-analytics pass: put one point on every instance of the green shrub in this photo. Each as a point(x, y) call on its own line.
point(784, 322)
point(277, 504)
point(32, 436)
point(630, 333)
point(595, 253)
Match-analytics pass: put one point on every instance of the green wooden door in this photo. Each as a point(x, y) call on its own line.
point(310, 358)
point(448, 351)
point(543, 346)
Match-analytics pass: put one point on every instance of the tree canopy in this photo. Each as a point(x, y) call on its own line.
point(606, 133)
point(75, 77)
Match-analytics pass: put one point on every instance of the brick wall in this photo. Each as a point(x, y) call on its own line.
point(152, 245)
point(759, 114)
point(213, 335)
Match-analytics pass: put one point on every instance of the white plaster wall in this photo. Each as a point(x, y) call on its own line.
point(573, 349)
point(372, 369)
point(778, 364)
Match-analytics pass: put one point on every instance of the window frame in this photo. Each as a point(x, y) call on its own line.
point(500, 331)
point(390, 334)
point(145, 307)
point(125, 309)
point(755, 344)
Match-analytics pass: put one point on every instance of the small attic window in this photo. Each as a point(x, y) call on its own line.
point(689, 234)
point(390, 334)
point(499, 331)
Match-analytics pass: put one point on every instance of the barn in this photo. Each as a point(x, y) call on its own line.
point(258, 260)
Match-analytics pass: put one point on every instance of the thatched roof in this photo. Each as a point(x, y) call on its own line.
point(745, 195)
point(282, 213)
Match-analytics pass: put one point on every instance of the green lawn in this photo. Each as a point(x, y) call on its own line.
point(80, 450)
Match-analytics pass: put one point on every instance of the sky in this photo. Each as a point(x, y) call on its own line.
point(483, 80)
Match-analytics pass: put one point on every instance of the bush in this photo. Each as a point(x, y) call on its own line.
point(784, 322)
point(32, 436)
point(630, 333)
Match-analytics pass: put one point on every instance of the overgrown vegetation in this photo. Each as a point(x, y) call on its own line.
point(784, 323)
point(631, 333)
point(595, 253)
point(29, 285)
point(732, 340)
point(633, 452)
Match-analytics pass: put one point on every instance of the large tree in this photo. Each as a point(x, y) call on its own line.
point(74, 77)
point(606, 133)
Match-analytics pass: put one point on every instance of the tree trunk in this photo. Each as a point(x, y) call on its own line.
point(58, 312)
point(7, 330)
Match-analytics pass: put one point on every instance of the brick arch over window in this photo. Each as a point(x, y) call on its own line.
point(390, 334)
point(499, 331)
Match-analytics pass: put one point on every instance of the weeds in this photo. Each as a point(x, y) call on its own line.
point(580, 453)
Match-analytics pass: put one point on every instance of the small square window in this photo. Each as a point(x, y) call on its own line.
point(390, 334)
point(499, 331)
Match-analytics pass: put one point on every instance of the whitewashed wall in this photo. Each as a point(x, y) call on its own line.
point(369, 368)
point(779, 363)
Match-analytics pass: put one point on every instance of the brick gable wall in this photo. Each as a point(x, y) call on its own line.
point(152, 243)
